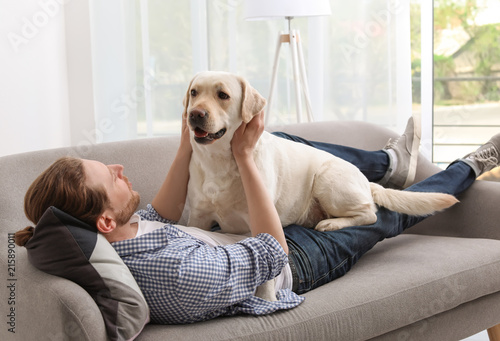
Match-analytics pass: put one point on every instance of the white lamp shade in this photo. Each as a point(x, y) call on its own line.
point(268, 9)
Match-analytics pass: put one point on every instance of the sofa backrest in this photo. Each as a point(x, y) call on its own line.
point(147, 161)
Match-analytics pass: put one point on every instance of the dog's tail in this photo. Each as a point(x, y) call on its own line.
point(412, 203)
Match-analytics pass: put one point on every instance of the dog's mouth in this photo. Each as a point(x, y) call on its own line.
point(203, 137)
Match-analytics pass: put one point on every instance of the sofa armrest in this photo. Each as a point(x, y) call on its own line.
point(475, 216)
point(47, 307)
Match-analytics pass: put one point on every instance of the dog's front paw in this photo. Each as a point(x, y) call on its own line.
point(327, 225)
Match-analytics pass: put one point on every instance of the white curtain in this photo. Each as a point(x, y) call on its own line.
point(116, 92)
point(143, 54)
point(33, 85)
point(357, 60)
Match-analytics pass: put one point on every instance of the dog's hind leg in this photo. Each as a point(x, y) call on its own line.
point(360, 217)
point(344, 195)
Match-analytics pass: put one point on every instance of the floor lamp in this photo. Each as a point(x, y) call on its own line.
point(289, 9)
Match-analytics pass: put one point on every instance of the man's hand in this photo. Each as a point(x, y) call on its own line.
point(171, 197)
point(185, 137)
point(262, 213)
point(246, 136)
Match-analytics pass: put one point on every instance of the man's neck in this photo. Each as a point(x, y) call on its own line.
point(124, 232)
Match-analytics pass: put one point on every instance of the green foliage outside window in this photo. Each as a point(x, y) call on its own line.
point(478, 56)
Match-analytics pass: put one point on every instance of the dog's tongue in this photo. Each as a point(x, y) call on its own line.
point(200, 133)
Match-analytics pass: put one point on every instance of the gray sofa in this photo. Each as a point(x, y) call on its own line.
point(439, 281)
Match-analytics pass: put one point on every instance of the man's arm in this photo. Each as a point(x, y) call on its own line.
point(170, 200)
point(263, 215)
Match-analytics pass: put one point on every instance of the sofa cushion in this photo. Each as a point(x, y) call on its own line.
point(401, 281)
point(66, 247)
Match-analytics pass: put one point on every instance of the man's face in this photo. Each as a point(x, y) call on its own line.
point(124, 201)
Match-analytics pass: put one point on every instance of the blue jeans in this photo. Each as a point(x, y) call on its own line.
point(317, 257)
point(373, 165)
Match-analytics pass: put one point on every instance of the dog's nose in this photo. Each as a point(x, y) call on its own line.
point(198, 115)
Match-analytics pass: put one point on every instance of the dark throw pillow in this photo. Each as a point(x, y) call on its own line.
point(67, 247)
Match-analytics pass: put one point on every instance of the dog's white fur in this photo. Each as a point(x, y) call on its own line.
point(309, 187)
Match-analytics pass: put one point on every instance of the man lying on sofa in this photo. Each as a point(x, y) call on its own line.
point(187, 274)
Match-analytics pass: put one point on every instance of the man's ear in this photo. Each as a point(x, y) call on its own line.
point(252, 101)
point(185, 101)
point(106, 223)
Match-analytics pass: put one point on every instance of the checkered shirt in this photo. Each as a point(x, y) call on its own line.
point(184, 280)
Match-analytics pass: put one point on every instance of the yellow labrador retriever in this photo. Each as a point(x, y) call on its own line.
point(309, 187)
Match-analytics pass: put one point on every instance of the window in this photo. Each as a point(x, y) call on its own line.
point(464, 47)
point(357, 60)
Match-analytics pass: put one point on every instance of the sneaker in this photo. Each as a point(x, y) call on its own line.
point(486, 157)
point(402, 170)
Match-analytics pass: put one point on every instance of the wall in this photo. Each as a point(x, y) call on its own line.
point(33, 85)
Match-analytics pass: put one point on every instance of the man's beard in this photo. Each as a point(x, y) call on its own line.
point(123, 216)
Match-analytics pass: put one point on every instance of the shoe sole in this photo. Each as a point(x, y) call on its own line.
point(412, 168)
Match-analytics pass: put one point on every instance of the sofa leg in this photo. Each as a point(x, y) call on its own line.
point(494, 333)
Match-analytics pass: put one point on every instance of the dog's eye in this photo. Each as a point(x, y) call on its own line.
point(223, 95)
point(194, 92)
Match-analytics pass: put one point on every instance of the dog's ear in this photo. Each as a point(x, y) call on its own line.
point(185, 101)
point(252, 101)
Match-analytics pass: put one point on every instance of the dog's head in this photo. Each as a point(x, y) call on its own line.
point(216, 103)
